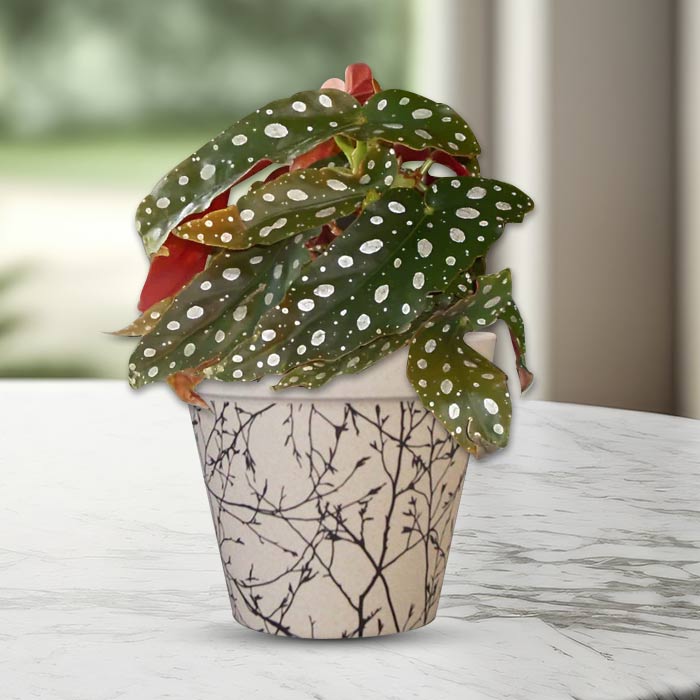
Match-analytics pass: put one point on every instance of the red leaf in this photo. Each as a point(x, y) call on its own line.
point(333, 84)
point(260, 165)
point(449, 162)
point(168, 274)
point(405, 153)
point(219, 202)
point(324, 239)
point(359, 82)
point(276, 173)
point(323, 150)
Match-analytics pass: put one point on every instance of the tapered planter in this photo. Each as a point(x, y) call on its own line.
point(333, 509)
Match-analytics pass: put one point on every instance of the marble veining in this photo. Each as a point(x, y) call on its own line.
point(574, 572)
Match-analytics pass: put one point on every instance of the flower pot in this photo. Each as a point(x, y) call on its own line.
point(333, 509)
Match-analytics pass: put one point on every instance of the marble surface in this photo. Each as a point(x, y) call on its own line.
point(575, 570)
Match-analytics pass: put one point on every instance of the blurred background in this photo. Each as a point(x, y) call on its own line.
point(591, 107)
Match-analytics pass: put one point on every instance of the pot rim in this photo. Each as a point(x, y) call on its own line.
point(385, 380)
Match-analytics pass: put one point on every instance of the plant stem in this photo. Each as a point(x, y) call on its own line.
point(425, 167)
point(358, 156)
point(346, 146)
point(402, 180)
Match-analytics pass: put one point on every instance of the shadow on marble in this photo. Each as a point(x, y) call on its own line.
point(237, 634)
point(690, 694)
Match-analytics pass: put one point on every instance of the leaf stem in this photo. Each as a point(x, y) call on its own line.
point(346, 146)
point(425, 167)
point(358, 156)
point(403, 180)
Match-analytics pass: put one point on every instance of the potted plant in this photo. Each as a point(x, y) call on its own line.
point(309, 240)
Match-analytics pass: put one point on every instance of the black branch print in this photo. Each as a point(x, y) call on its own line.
point(333, 519)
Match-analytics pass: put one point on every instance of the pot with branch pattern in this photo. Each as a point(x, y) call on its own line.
point(333, 509)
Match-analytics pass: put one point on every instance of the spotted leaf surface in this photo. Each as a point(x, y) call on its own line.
point(147, 321)
point(217, 310)
point(493, 301)
point(293, 203)
point(417, 122)
point(460, 286)
point(380, 274)
point(466, 392)
point(315, 374)
point(280, 131)
point(485, 299)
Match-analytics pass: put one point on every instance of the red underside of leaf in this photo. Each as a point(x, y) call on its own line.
point(325, 238)
point(169, 273)
point(405, 153)
point(323, 150)
point(276, 173)
point(449, 162)
point(359, 82)
point(254, 170)
point(524, 375)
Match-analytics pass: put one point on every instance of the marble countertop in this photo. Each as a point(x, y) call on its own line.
point(575, 569)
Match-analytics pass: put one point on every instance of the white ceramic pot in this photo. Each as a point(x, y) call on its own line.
point(333, 509)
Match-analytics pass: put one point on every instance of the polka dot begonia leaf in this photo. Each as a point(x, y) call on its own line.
point(147, 321)
point(319, 372)
point(381, 273)
point(293, 203)
point(349, 247)
point(286, 128)
point(494, 302)
point(465, 391)
point(218, 309)
point(417, 122)
point(279, 131)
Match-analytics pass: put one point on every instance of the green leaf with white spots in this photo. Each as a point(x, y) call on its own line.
point(473, 165)
point(315, 374)
point(293, 203)
point(382, 272)
point(461, 286)
point(486, 299)
point(467, 393)
point(147, 321)
point(319, 372)
point(325, 270)
point(280, 131)
point(286, 128)
point(218, 309)
point(493, 301)
point(417, 122)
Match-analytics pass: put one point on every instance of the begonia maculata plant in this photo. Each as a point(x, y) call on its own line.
point(313, 237)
